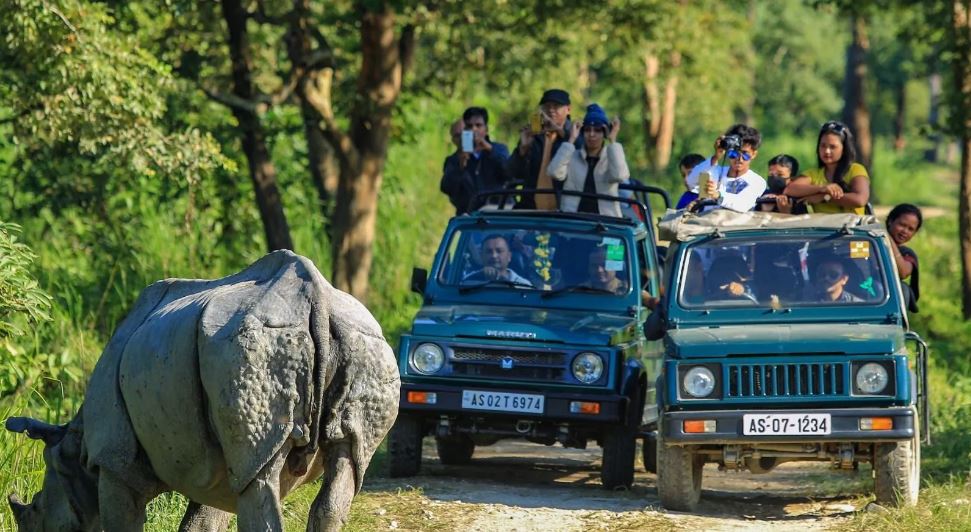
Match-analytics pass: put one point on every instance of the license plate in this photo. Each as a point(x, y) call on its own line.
point(785, 424)
point(502, 401)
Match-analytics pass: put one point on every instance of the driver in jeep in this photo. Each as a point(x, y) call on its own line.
point(495, 256)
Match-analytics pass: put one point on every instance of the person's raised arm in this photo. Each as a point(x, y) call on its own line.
point(617, 170)
point(560, 163)
point(692, 179)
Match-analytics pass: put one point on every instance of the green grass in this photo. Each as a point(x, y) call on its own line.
point(944, 507)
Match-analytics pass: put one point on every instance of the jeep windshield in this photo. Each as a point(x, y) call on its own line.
point(803, 271)
point(554, 261)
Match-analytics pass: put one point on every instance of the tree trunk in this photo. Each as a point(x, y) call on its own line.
point(261, 169)
point(363, 154)
point(933, 117)
point(665, 134)
point(315, 69)
point(652, 107)
point(855, 112)
point(900, 118)
point(961, 109)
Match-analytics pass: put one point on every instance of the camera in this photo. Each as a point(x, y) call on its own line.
point(730, 142)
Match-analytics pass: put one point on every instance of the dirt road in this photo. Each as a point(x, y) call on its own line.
point(522, 486)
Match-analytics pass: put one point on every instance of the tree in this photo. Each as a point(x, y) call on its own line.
point(856, 113)
point(960, 43)
point(84, 120)
point(361, 150)
point(19, 293)
point(246, 104)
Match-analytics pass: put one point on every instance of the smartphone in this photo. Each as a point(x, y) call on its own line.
point(536, 123)
point(703, 179)
point(468, 144)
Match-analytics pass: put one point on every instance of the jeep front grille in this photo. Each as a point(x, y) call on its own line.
point(487, 363)
point(786, 380)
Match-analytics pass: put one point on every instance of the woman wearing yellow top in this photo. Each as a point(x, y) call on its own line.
point(838, 184)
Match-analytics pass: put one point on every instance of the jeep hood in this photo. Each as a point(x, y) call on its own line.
point(524, 324)
point(778, 339)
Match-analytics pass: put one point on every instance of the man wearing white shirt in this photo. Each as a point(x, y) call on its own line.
point(734, 186)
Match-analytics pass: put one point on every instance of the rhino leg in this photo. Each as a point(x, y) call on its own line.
point(121, 507)
point(200, 518)
point(258, 508)
point(333, 503)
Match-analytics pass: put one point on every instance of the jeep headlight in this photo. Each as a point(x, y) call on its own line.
point(427, 358)
point(698, 382)
point(872, 378)
point(588, 367)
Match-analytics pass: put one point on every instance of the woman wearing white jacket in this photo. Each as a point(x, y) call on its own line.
point(595, 167)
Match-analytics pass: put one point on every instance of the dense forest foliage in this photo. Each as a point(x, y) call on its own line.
point(144, 140)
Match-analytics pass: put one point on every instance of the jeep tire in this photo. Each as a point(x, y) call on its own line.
point(896, 469)
point(619, 455)
point(678, 477)
point(404, 446)
point(455, 450)
point(649, 454)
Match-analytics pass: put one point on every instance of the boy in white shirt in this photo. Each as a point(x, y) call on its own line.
point(734, 186)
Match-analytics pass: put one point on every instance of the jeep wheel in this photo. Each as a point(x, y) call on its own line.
point(404, 446)
point(649, 454)
point(455, 450)
point(678, 477)
point(896, 468)
point(619, 454)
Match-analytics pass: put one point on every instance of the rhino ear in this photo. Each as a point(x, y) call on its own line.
point(37, 430)
point(17, 507)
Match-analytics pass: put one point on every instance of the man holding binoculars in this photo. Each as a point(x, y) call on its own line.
point(733, 186)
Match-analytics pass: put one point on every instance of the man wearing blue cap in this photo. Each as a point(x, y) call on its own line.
point(596, 167)
point(527, 159)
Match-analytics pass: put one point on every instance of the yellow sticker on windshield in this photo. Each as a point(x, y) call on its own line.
point(860, 249)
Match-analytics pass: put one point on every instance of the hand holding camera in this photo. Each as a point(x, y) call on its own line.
point(614, 129)
point(575, 130)
point(525, 139)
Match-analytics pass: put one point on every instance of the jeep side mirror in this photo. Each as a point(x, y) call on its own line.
point(419, 279)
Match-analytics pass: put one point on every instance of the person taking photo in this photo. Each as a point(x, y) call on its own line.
point(734, 186)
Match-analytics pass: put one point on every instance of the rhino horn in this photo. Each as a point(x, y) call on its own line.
point(36, 430)
point(17, 506)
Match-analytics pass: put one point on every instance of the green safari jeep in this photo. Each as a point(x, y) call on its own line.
point(785, 339)
point(531, 328)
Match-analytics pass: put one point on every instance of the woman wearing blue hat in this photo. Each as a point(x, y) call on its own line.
point(595, 167)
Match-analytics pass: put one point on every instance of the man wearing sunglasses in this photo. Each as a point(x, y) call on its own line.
point(829, 281)
point(733, 184)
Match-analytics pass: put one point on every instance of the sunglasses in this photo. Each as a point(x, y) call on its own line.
point(835, 127)
point(830, 274)
point(746, 156)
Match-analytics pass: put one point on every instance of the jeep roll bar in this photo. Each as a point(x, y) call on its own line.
point(504, 194)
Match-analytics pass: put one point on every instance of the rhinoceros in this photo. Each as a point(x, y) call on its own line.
point(232, 392)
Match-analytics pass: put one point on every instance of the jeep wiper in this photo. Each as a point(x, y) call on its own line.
point(577, 288)
point(500, 282)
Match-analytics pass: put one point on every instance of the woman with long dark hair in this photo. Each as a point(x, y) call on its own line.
point(838, 183)
point(903, 222)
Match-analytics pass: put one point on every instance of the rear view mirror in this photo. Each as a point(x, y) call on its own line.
point(419, 279)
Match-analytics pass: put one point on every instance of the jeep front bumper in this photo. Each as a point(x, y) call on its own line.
point(845, 426)
point(556, 408)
